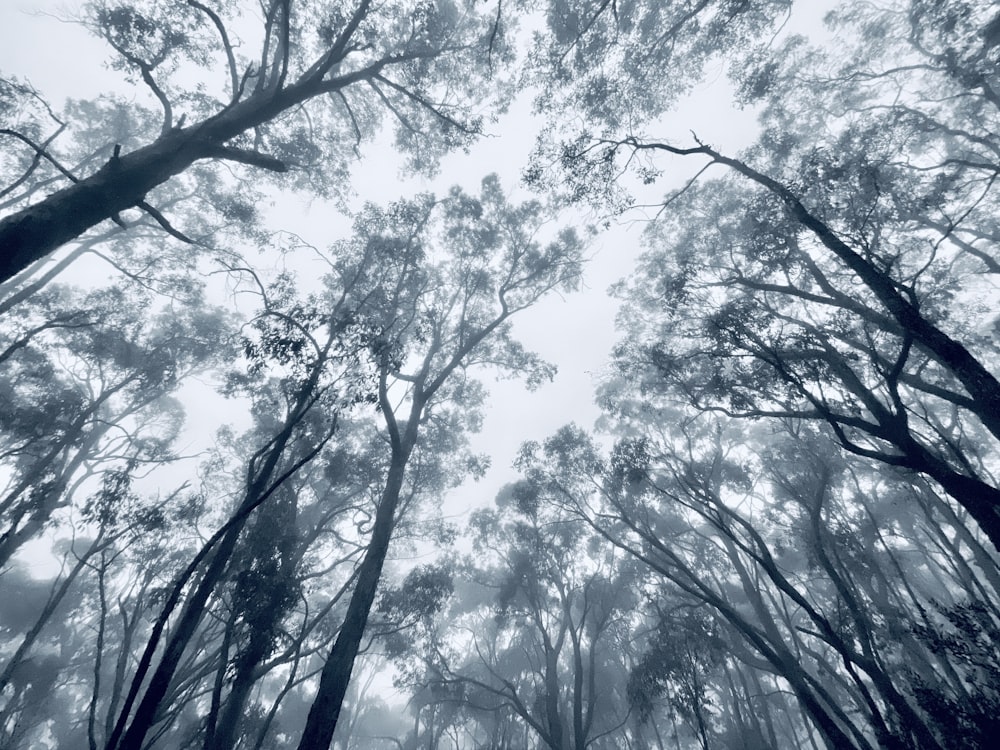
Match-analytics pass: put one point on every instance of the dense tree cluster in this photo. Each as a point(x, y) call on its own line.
point(783, 532)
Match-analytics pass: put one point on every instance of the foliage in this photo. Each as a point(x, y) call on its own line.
point(231, 526)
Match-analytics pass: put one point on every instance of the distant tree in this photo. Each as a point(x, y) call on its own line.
point(678, 662)
point(86, 384)
point(367, 720)
point(536, 635)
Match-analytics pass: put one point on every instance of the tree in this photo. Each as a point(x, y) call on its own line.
point(87, 386)
point(226, 631)
point(824, 278)
point(681, 654)
point(323, 356)
point(536, 635)
point(451, 317)
point(830, 277)
point(338, 67)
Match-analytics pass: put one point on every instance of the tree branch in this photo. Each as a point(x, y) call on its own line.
point(167, 226)
point(252, 158)
point(40, 153)
point(234, 75)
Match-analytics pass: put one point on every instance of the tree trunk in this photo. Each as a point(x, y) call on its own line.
point(257, 492)
point(336, 675)
point(123, 182)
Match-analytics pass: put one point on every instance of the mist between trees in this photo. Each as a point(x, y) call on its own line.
point(782, 532)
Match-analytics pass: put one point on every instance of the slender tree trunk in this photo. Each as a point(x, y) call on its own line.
point(212, 719)
point(98, 653)
point(55, 598)
point(145, 713)
point(129, 628)
point(832, 722)
point(325, 711)
point(579, 733)
point(191, 616)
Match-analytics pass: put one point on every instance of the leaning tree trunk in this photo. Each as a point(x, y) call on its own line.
point(336, 675)
point(122, 183)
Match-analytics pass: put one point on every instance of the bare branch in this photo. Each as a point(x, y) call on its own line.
point(253, 158)
point(162, 221)
point(266, 46)
point(41, 152)
point(284, 42)
point(431, 106)
point(339, 49)
point(392, 108)
point(493, 33)
point(234, 75)
point(146, 72)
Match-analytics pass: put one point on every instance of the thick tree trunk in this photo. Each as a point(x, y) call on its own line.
point(980, 499)
point(553, 718)
point(124, 181)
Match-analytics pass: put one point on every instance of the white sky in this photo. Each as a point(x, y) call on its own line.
point(577, 332)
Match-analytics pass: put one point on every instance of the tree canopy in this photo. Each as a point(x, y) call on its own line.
point(242, 502)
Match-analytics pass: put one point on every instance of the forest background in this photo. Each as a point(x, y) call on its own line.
point(251, 434)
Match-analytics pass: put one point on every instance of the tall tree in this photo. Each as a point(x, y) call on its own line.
point(453, 315)
point(321, 353)
point(831, 275)
point(322, 67)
